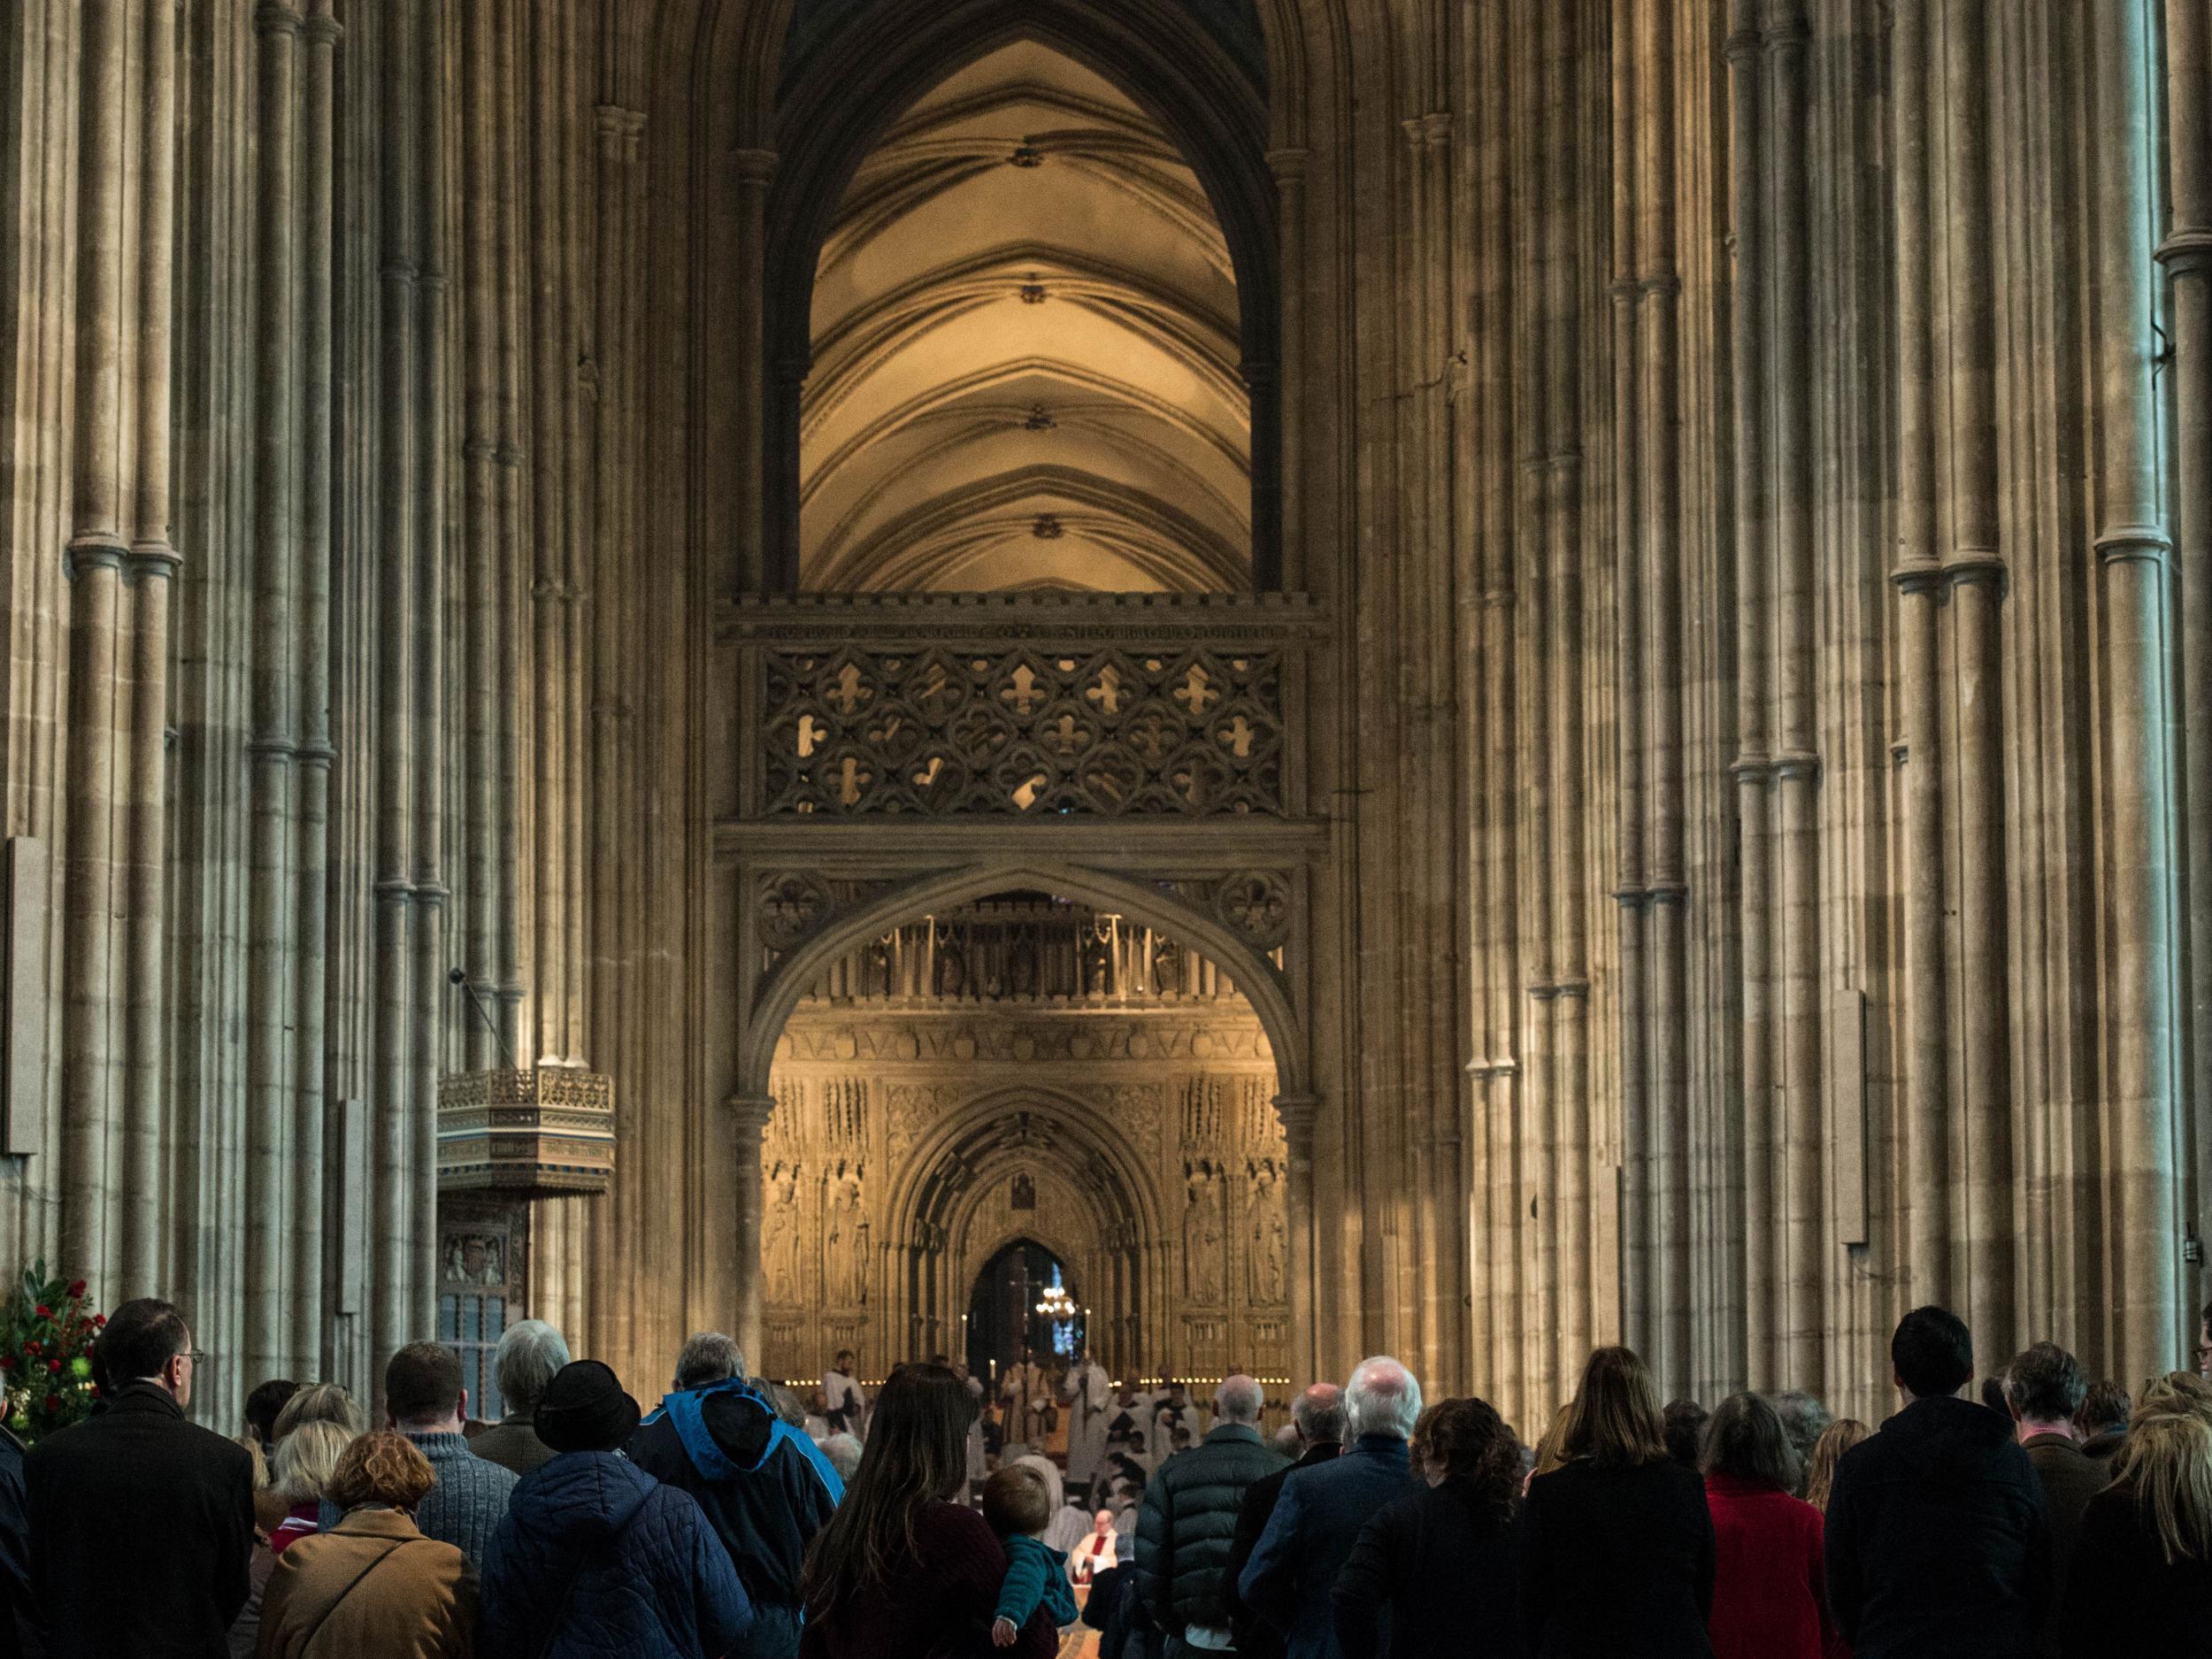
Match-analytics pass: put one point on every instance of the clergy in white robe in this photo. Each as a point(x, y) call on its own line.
point(1087, 1390)
point(1024, 1392)
point(847, 1399)
point(979, 1464)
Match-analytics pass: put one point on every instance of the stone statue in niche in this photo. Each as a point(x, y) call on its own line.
point(845, 1239)
point(952, 971)
point(1025, 1196)
point(1266, 1231)
point(1203, 1239)
point(780, 1235)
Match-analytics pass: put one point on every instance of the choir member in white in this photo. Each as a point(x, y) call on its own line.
point(847, 1399)
point(1087, 1392)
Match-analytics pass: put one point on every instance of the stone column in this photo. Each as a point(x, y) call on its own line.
point(313, 754)
point(269, 888)
point(2132, 550)
point(394, 1032)
point(2186, 253)
point(1926, 1065)
point(152, 563)
point(749, 1117)
point(1304, 1349)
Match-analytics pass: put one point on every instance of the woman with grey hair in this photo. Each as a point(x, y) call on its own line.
point(523, 1364)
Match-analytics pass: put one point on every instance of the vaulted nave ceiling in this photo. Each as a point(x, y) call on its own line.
point(1025, 352)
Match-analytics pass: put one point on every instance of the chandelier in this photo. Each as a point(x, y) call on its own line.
point(1056, 1305)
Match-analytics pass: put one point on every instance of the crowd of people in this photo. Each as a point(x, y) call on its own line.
point(2042, 1515)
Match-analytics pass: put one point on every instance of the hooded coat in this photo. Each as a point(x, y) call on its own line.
point(597, 1559)
point(1937, 1543)
point(763, 1488)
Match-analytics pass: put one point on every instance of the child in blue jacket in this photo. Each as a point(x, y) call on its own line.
point(1018, 1508)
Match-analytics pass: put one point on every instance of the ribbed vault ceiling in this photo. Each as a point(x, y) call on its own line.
point(1025, 352)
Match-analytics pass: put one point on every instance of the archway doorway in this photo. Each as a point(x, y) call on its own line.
point(1024, 1303)
point(1017, 1072)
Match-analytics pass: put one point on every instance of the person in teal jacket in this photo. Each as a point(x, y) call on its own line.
point(1018, 1508)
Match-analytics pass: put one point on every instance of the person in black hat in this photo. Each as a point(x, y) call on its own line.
point(595, 1555)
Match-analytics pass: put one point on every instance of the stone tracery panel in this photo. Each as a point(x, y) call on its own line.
point(858, 731)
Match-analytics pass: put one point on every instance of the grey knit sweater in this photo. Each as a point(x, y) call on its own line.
point(469, 1498)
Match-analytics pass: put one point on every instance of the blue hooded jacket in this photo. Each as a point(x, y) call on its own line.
point(765, 1488)
point(597, 1558)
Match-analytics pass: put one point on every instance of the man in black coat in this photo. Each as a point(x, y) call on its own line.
point(1318, 1414)
point(1189, 1516)
point(1937, 1544)
point(2043, 1387)
point(141, 1524)
point(765, 1488)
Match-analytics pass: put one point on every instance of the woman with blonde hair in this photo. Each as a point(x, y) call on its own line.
point(306, 1461)
point(2181, 1393)
point(321, 1402)
point(372, 1583)
point(1820, 1468)
point(2140, 1581)
point(1617, 1544)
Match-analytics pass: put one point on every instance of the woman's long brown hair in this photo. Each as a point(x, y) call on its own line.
point(1615, 1417)
point(916, 1451)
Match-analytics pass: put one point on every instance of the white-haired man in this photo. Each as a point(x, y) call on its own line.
point(765, 1487)
point(530, 1351)
point(1319, 1516)
point(1189, 1516)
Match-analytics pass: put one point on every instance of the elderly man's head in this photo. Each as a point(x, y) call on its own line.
point(529, 1352)
point(1382, 1398)
point(1239, 1400)
point(1318, 1415)
point(709, 1358)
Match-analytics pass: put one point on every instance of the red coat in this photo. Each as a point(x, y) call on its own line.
point(1768, 1601)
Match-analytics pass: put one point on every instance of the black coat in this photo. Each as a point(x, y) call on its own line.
point(1256, 1639)
point(1617, 1559)
point(142, 1529)
point(2121, 1597)
point(1937, 1544)
point(18, 1622)
point(1442, 1565)
point(1186, 1524)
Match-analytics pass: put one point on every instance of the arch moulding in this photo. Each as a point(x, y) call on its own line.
point(778, 994)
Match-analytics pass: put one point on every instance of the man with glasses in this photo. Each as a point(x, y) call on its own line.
point(106, 1585)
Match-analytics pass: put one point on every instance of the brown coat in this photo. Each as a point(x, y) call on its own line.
point(371, 1585)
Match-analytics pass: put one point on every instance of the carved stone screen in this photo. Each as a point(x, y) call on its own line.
point(861, 732)
point(1122, 1119)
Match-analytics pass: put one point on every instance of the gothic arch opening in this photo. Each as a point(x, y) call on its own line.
point(1025, 1066)
point(1021, 300)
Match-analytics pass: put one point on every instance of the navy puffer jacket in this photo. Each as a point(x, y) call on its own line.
point(595, 1557)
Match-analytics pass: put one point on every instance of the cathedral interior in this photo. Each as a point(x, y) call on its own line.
point(1459, 679)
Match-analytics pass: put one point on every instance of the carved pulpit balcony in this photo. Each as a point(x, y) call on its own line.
point(544, 1131)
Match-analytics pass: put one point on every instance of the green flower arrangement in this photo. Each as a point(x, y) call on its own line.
point(46, 1337)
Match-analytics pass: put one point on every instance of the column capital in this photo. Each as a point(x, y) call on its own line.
point(750, 1111)
point(1298, 1113)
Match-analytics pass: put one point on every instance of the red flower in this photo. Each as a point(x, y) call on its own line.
point(76, 1287)
point(100, 1321)
point(31, 1348)
point(53, 1364)
point(7, 1363)
point(53, 1402)
point(45, 1313)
